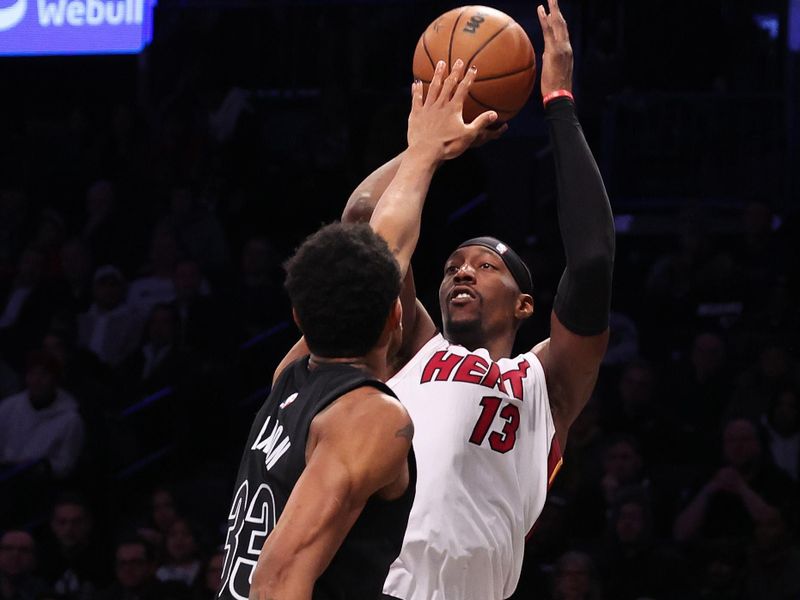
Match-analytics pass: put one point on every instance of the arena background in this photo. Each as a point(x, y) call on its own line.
point(195, 167)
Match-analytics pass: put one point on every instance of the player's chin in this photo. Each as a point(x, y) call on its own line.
point(462, 321)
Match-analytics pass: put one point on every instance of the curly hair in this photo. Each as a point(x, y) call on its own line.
point(342, 282)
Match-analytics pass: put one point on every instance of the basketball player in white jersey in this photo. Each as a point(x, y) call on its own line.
point(490, 427)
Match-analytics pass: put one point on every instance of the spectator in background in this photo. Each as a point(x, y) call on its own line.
point(207, 584)
point(576, 578)
point(622, 467)
point(82, 373)
point(583, 456)
point(74, 560)
point(134, 569)
point(76, 270)
point(15, 230)
point(760, 257)
point(42, 422)
point(181, 563)
point(48, 238)
point(781, 424)
point(549, 540)
point(201, 327)
point(197, 230)
point(773, 566)
point(257, 297)
point(158, 361)
point(745, 491)
point(623, 343)
point(721, 573)
point(634, 563)
point(637, 411)
point(774, 370)
point(699, 394)
point(155, 525)
point(158, 286)
point(105, 230)
point(9, 380)
point(26, 305)
point(110, 328)
point(672, 288)
point(17, 567)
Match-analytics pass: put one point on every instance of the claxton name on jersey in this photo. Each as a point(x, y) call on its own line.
point(472, 368)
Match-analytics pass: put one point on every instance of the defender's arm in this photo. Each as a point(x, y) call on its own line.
point(358, 447)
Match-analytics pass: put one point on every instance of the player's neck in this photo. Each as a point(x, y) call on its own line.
point(498, 346)
point(370, 363)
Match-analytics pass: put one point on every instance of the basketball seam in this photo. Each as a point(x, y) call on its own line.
point(509, 74)
point(452, 34)
point(487, 42)
point(494, 108)
point(425, 47)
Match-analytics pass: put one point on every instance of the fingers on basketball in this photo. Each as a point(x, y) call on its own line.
point(490, 40)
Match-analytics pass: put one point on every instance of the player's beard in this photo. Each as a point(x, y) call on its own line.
point(465, 332)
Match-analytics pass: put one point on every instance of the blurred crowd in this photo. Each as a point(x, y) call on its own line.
point(142, 314)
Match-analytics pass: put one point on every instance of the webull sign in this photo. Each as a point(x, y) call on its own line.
point(30, 27)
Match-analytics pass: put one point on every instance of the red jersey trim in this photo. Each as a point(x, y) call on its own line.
point(554, 462)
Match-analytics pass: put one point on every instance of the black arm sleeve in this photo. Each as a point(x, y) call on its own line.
point(587, 226)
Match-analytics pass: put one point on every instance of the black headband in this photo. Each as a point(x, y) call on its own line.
point(516, 266)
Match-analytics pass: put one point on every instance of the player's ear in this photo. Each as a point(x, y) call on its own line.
point(397, 314)
point(524, 308)
point(296, 319)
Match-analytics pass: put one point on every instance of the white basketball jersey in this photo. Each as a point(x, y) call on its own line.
point(483, 440)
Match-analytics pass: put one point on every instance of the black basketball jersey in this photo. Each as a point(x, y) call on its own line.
point(274, 459)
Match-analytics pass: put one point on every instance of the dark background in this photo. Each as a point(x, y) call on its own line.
point(246, 125)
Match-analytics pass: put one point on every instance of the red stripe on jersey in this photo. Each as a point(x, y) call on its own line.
point(554, 462)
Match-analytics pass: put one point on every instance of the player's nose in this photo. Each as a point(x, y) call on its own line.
point(464, 273)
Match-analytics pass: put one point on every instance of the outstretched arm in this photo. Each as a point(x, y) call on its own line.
point(358, 448)
point(392, 197)
point(579, 321)
point(436, 132)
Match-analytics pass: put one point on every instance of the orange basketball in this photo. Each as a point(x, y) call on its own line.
point(490, 40)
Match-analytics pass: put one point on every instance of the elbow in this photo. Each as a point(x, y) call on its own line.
point(591, 277)
point(583, 302)
point(360, 207)
point(269, 582)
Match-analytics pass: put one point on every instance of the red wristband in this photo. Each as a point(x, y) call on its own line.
point(557, 94)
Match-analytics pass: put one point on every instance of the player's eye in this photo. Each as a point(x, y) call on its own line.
point(450, 269)
point(487, 265)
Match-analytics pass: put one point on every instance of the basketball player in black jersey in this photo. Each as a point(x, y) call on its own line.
point(326, 477)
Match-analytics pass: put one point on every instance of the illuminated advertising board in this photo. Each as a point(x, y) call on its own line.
point(41, 27)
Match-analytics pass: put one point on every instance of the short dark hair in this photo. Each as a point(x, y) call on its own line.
point(342, 282)
point(71, 498)
point(131, 539)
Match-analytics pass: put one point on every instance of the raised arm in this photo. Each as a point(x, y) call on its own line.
point(358, 448)
point(392, 197)
point(579, 321)
point(436, 132)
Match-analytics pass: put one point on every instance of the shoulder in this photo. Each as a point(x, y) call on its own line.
point(13, 402)
point(364, 413)
point(66, 403)
point(369, 402)
point(405, 363)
